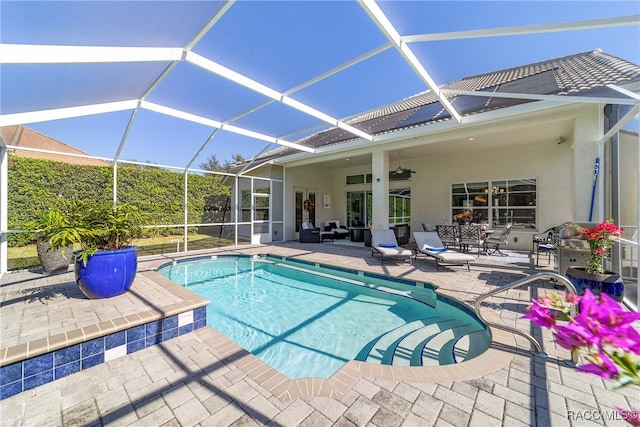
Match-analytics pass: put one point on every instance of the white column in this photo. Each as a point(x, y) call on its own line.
point(380, 188)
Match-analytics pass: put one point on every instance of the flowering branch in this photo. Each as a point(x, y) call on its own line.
point(598, 326)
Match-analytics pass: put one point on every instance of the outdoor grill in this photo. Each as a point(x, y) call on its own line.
point(573, 249)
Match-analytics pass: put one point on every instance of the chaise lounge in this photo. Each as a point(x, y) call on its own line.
point(428, 243)
point(384, 242)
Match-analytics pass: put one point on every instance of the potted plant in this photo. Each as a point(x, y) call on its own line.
point(106, 263)
point(47, 224)
point(594, 276)
point(464, 217)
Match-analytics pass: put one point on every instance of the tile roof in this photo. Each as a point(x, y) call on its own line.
point(572, 75)
point(24, 137)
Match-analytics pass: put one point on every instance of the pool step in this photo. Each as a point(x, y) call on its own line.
point(471, 345)
point(428, 342)
point(408, 351)
point(439, 350)
point(383, 348)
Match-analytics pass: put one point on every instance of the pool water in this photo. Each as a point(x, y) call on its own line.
point(304, 320)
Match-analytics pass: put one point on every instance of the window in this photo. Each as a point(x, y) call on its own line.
point(359, 179)
point(497, 202)
point(400, 206)
point(360, 207)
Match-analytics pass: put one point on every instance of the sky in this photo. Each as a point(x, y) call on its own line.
point(279, 44)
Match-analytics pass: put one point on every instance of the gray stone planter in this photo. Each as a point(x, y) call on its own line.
point(54, 259)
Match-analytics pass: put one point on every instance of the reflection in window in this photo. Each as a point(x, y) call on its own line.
point(497, 202)
point(400, 206)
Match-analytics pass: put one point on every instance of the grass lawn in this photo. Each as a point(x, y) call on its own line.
point(27, 257)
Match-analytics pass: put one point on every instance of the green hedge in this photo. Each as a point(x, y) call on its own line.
point(36, 184)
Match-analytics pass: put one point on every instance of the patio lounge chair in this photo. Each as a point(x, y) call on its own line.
point(384, 242)
point(428, 243)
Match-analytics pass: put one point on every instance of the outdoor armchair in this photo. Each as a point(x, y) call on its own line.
point(497, 241)
point(339, 231)
point(311, 234)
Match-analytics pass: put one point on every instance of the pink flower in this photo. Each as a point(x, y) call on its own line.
point(541, 315)
point(575, 334)
point(602, 366)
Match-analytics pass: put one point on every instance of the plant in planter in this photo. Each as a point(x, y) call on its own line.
point(594, 276)
point(48, 224)
point(106, 263)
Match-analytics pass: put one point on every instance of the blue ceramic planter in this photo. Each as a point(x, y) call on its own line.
point(609, 283)
point(107, 273)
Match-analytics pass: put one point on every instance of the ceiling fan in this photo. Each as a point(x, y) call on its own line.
point(400, 170)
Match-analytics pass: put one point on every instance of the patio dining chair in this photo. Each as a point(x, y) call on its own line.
point(471, 235)
point(550, 246)
point(448, 234)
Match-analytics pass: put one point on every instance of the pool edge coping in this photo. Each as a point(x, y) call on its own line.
point(336, 386)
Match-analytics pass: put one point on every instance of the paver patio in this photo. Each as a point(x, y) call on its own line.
point(201, 379)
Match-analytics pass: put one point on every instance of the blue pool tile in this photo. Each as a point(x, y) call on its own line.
point(199, 324)
point(92, 347)
point(200, 313)
point(170, 322)
point(94, 360)
point(39, 379)
point(136, 333)
point(168, 334)
point(68, 369)
point(185, 329)
point(153, 340)
point(10, 373)
point(153, 328)
point(114, 340)
point(135, 346)
point(66, 355)
point(38, 365)
point(10, 389)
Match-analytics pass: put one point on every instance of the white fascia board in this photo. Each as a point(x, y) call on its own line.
point(49, 54)
point(526, 29)
point(180, 114)
point(564, 99)
point(66, 113)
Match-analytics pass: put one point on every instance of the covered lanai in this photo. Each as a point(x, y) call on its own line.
point(168, 84)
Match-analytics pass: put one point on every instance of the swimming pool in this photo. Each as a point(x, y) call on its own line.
point(307, 320)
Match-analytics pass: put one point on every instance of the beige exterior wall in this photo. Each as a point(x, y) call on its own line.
point(564, 174)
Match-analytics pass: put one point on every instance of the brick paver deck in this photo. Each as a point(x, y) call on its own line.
point(193, 380)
